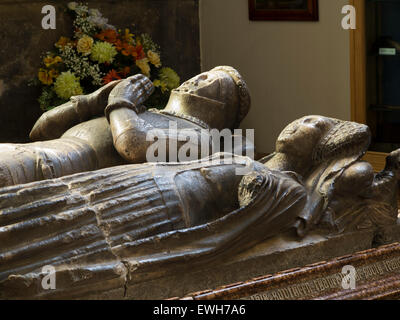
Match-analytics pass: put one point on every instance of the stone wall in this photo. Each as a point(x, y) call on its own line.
point(173, 24)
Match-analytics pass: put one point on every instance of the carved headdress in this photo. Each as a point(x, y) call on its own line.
point(340, 147)
point(344, 144)
point(344, 139)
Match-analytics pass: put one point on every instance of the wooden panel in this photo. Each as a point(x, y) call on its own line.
point(358, 65)
point(376, 159)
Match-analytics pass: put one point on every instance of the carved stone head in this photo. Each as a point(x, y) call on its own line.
point(300, 137)
point(318, 138)
point(218, 97)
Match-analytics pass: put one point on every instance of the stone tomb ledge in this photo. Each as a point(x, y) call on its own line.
point(271, 256)
point(372, 274)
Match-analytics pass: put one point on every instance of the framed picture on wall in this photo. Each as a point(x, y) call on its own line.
point(295, 10)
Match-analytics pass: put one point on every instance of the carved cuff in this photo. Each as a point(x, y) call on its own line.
point(120, 104)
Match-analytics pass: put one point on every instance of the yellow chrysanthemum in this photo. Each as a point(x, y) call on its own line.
point(170, 78)
point(67, 85)
point(161, 85)
point(144, 67)
point(50, 60)
point(45, 77)
point(84, 45)
point(53, 73)
point(62, 42)
point(103, 52)
point(154, 58)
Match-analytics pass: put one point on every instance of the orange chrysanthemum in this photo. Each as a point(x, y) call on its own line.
point(108, 35)
point(127, 49)
point(119, 45)
point(111, 76)
point(135, 51)
point(140, 52)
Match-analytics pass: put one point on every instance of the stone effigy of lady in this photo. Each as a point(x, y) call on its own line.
point(344, 192)
point(77, 137)
point(103, 229)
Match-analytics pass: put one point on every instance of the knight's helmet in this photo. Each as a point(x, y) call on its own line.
point(219, 98)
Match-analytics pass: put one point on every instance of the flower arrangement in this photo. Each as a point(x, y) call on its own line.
point(97, 54)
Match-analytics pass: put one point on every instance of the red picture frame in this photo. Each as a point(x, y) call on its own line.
point(283, 10)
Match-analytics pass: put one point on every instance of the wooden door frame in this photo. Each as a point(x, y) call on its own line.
point(358, 76)
point(358, 62)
